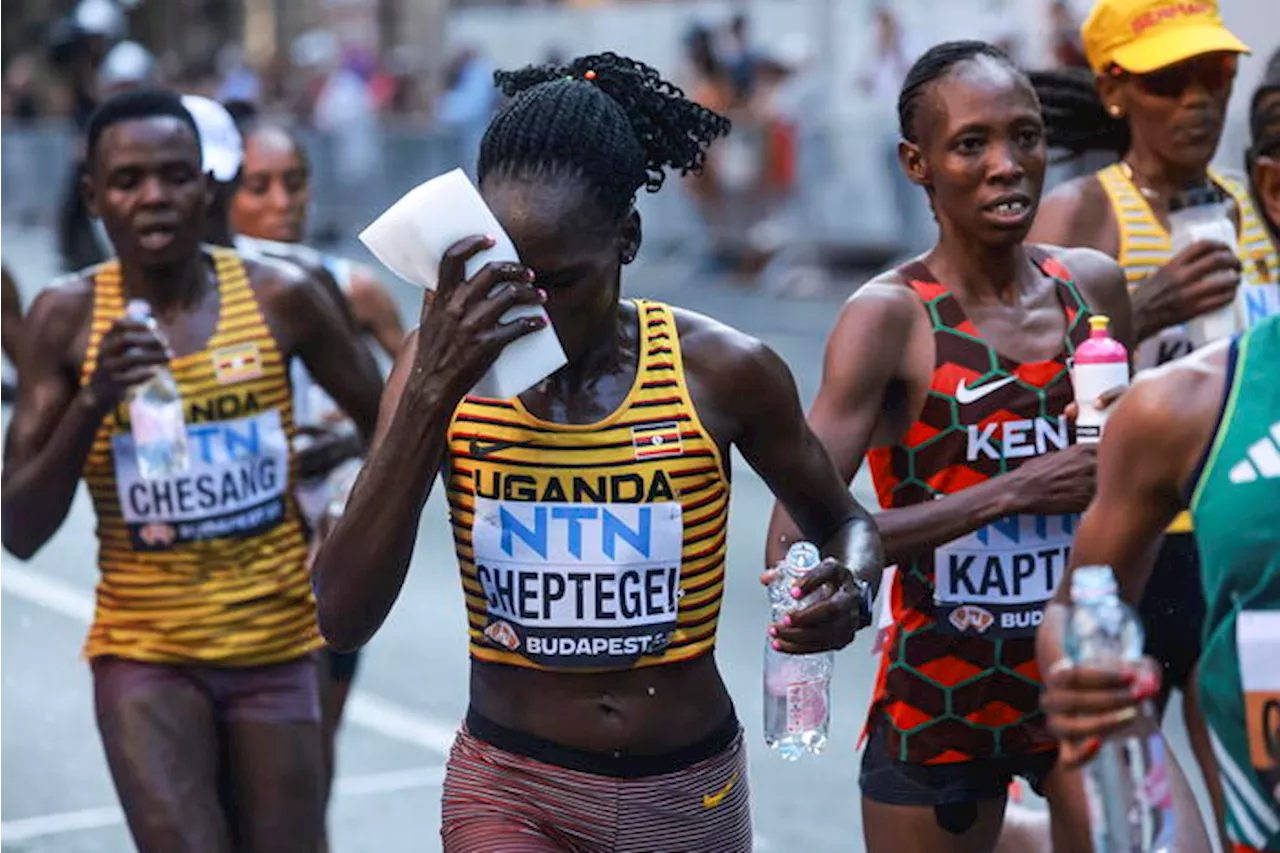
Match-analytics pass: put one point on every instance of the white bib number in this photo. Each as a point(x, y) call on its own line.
point(235, 484)
point(996, 580)
point(579, 585)
point(1258, 645)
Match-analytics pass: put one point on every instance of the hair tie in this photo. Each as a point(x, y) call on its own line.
point(590, 75)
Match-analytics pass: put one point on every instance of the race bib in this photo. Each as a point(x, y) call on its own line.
point(1258, 645)
point(235, 484)
point(996, 580)
point(579, 585)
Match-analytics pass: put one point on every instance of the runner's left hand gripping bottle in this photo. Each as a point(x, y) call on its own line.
point(155, 415)
point(1101, 364)
point(797, 688)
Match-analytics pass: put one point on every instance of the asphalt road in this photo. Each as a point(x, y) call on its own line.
point(411, 690)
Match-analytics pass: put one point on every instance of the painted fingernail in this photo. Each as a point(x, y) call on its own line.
point(530, 275)
point(796, 592)
point(542, 294)
point(777, 646)
point(1092, 745)
point(490, 239)
point(786, 621)
point(773, 632)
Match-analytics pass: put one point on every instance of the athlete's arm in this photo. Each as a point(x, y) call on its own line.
point(55, 419)
point(313, 325)
point(754, 391)
point(361, 566)
point(10, 316)
point(1152, 444)
point(375, 311)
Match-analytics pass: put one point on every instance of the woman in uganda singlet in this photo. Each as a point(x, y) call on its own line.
point(594, 546)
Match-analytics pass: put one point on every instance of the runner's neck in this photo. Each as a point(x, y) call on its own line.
point(1161, 179)
point(168, 289)
point(983, 274)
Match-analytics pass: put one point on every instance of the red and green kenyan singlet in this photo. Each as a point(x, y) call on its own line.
point(959, 680)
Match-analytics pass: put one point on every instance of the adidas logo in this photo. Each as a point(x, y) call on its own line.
point(1262, 460)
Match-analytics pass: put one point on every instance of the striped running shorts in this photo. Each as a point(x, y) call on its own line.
point(500, 801)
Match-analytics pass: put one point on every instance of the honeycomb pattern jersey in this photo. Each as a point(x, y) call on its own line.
point(959, 680)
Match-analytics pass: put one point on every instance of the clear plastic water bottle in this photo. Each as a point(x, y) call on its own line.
point(155, 412)
point(340, 483)
point(1130, 798)
point(797, 688)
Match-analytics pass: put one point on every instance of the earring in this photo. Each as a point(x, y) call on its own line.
point(1114, 111)
point(628, 257)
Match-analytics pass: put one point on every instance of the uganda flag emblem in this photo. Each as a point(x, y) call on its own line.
point(655, 441)
point(237, 364)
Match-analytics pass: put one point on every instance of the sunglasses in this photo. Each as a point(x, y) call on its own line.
point(1214, 73)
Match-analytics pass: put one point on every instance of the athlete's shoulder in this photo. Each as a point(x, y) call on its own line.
point(1089, 268)
point(732, 363)
point(61, 312)
point(1077, 212)
point(1173, 407)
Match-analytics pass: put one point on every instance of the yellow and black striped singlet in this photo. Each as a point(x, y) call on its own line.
point(596, 546)
point(1145, 247)
point(207, 566)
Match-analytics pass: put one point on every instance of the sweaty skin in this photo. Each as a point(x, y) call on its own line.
point(1173, 141)
point(981, 139)
point(1155, 438)
point(743, 393)
point(271, 203)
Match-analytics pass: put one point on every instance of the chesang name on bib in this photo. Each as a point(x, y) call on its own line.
point(235, 485)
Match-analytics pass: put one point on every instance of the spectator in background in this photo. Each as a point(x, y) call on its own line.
point(346, 112)
point(239, 81)
point(740, 60)
point(883, 71)
point(20, 102)
point(1068, 50)
point(468, 103)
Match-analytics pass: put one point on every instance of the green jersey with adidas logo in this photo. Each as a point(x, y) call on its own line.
point(1236, 508)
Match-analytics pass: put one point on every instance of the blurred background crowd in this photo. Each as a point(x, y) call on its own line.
point(390, 92)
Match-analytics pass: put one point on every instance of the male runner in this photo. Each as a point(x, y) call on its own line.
point(1205, 432)
point(203, 639)
point(590, 513)
point(955, 369)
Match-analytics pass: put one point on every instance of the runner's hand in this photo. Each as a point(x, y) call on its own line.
point(1056, 482)
point(1104, 401)
point(830, 621)
point(1200, 278)
point(129, 355)
point(462, 332)
point(1084, 704)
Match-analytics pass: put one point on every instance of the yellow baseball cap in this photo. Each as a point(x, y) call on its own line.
point(1141, 36)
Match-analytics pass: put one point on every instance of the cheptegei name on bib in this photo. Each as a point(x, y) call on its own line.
point(579, 585)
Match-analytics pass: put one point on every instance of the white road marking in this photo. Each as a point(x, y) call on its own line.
point(363, 785)
point(387, 718)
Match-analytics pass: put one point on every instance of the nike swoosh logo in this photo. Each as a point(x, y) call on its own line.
point(710, 801)
point(966, 395)
point(480, 449)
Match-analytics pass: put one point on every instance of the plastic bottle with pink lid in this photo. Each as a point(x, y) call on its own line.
point(1101, 364)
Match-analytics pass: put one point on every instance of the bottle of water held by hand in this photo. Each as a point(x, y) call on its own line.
point(797, 688)
point(1130, 799)
point(1100, 364)
point(1203, 213)
point(155, 413)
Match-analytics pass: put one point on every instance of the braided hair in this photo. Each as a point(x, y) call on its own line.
point(608, 119)
point(933, 65)
point(1076, 121)
point(1264, 115)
